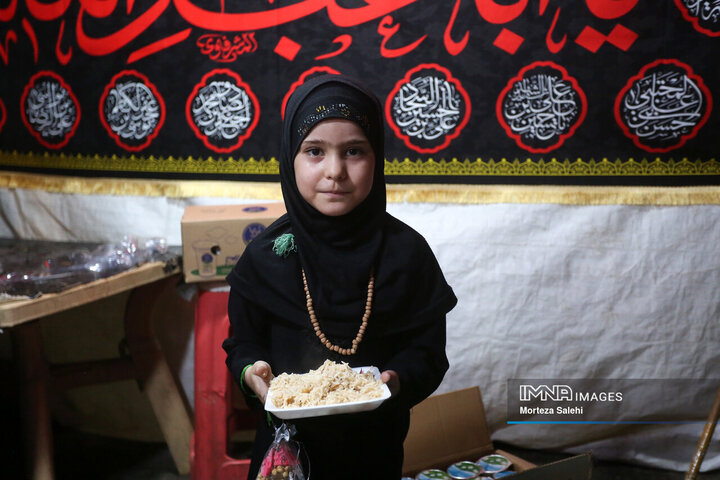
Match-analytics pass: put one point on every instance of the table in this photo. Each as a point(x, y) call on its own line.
point(145, 361)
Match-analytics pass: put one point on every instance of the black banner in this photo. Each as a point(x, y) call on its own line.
point(608, 92)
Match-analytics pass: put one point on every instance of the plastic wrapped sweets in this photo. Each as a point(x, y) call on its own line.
point(29, 268)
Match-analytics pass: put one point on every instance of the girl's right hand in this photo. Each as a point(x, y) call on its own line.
point(258, 377)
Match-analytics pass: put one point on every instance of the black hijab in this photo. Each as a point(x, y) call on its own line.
point(338, 253)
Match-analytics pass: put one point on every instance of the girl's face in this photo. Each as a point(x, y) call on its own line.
point(334, 166)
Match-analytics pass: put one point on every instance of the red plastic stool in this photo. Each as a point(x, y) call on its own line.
point(214, 413)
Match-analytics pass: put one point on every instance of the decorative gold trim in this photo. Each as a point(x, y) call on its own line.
point(141, 187)
point(563, 195)
point(141, 164)
point(551, 167)
point(416, 193)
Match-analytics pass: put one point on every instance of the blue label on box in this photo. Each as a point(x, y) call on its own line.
point(255, 209)
point(251, 231)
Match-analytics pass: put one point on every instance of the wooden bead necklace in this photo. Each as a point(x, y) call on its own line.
point(363, 325)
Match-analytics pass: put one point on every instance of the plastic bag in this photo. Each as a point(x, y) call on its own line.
point(30, 268)
point(281, 461)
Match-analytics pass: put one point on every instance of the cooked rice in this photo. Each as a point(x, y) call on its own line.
point(331, 383)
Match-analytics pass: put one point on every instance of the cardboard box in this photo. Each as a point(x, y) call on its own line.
point(578, 467)
point(214, 236)
point(451, 427)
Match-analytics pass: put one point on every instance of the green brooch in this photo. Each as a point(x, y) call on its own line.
point(284, 245)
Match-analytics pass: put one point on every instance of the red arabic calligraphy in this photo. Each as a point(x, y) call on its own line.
point(119, 39)
point(134, 22)
point(610, 9)
point(453, 47)
point(3, 115)
point(552, 45)
point(344, 40)
point(220, 49)
point(242, 22)
point(10, 36)
point(47, 11)
point(7, 13)
point(386, 30)
point(500, 14)
point(63, 57)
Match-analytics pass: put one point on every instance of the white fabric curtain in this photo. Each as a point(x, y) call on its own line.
point(545, 291)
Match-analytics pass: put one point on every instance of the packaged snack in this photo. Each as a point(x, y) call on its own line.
point(494, 463)
point(466, 469)
point(281, 461)
point(433, 474)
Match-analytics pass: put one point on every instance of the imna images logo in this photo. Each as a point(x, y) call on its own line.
point(564, 393)
point(555, 393)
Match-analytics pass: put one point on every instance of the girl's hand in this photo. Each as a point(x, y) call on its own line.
point(391, 379)
point(258, 377)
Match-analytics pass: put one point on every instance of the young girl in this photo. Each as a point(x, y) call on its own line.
point(338, 278)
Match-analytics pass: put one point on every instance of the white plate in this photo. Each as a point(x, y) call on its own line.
point(337, 408)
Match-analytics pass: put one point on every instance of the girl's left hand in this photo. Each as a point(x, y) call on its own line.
point(391, 379)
